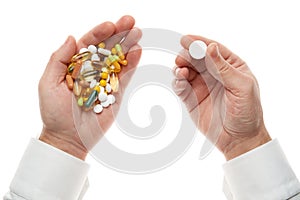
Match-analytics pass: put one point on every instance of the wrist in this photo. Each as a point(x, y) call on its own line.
point(241, 146)
point(67, 145)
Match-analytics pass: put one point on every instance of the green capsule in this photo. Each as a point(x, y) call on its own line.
point(92, 98)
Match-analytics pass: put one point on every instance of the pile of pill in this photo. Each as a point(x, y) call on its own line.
point(93, 76)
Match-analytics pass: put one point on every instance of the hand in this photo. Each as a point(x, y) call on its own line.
point(227, 106)
point(59, 128)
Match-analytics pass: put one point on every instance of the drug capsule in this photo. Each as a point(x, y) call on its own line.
point(104, 52)
point(70, 82)
point(77, 69)
point(113, 51)
point(101, 45)
point(77, 88)
point(71, 68)
point(80, 101)
point(114, 82)
point(81, 57)
point(104, 75)
point(92, 98)
point(103, 83)
point(120, 51)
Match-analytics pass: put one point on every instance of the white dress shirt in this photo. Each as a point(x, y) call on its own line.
point(48, 173)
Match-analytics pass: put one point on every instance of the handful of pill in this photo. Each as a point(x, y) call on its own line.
point(92, 75)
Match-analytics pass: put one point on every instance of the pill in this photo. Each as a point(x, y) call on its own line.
point(71, 67)
point(114, 82)
point(77, 88)
point(105, 104)
point(197, 49)
point(93, 83)
point(101, 45)
point(95, 57)
point(104, 75)
point(82, 50)
point(123, 62)
point(97, 88)
point(77, 69)
point(120, 51)
point(103, 83)
point(108, 88)
point(102, 89)
point(86, 66)
point(102, 96)
point(81, 56)
point(104, 52)
point(70, 82)
point(80, 101)
point(111, 98)
point(98, 108)
point(91, 99)
point(92, 49)
point(113, 51)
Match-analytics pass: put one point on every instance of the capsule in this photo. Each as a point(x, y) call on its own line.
point(77, 88)
point(104, 52)
point(70, 82)
point(81, 56)
point(114, 61)
point(120, 51)
point(92, 98)
point(114, 82)
point(76, 70)
point(101, 45)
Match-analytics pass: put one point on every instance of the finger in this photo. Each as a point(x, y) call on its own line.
point(97, 35)
point(131, 39)
point(221, 70)
point(123, 27)
point(57, 65)
point(184, 59)
point(133, 58)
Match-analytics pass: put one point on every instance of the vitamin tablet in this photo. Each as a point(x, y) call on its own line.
point(102, 97)
point(197, 49)
point(92, 49)
point(105, 104)
point(108, 88)
point(98, 108)
point(111, 98)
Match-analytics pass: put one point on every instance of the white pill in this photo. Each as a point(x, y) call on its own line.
point(108, 88)
point(104, 52)
point(92, 49)
point(93, 83)
point(111, 98)
point(82, 50)
point(105, 103)
point(95, 57)
point(102, 96)
point(86, 66)
point(101, 89)
point(98, 108)
point(197, 49)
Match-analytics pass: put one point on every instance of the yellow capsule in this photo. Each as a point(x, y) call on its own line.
point(104, 75)
point(81, 57)
point(107, 62)
point(113, 51)
point(85, 99)
point(120, 51)
point(71, 68)
point(114, 82)
point(123, 62)
point(101, 45)
point(102, 83)
point(97, 88)
point(116, 65)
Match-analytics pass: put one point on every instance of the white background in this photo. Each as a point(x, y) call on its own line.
point(264, 33)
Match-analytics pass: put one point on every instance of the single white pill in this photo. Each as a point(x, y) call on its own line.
point(93, 83)
point(95, 57)
point(92, 49)
point(104, 52)
point(111, 98)
point(102, 96)
point(108, 88)
point(101, 89)
point(98, 108)
point(197, 49)
point(82, 50)
point(105, 103)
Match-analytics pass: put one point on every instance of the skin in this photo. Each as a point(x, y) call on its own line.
point(59, 128)
point(222, 84)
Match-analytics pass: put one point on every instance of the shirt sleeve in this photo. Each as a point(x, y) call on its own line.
point(46, 172)
point(263, 173)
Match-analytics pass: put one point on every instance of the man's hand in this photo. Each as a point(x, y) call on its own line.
point(224, 87)
point(56, 108)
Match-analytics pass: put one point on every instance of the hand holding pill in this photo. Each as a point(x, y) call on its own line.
point(227, 95)
point(77, 61)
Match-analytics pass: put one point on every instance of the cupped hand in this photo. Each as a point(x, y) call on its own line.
point(59, 128)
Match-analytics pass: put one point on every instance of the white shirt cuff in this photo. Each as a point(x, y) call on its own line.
point(46, 172)
point(263, 173)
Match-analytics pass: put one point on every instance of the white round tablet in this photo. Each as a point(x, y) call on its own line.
point(197, 49)
point(98, 108)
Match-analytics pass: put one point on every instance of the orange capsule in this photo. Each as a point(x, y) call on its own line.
point(70, 82)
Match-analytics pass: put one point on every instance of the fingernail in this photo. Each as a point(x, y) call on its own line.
point(177, 71)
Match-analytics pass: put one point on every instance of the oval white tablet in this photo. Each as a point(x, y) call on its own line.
point(197, 49)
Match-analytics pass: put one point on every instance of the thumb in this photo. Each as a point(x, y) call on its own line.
point(220, 69)
point(56, 68)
